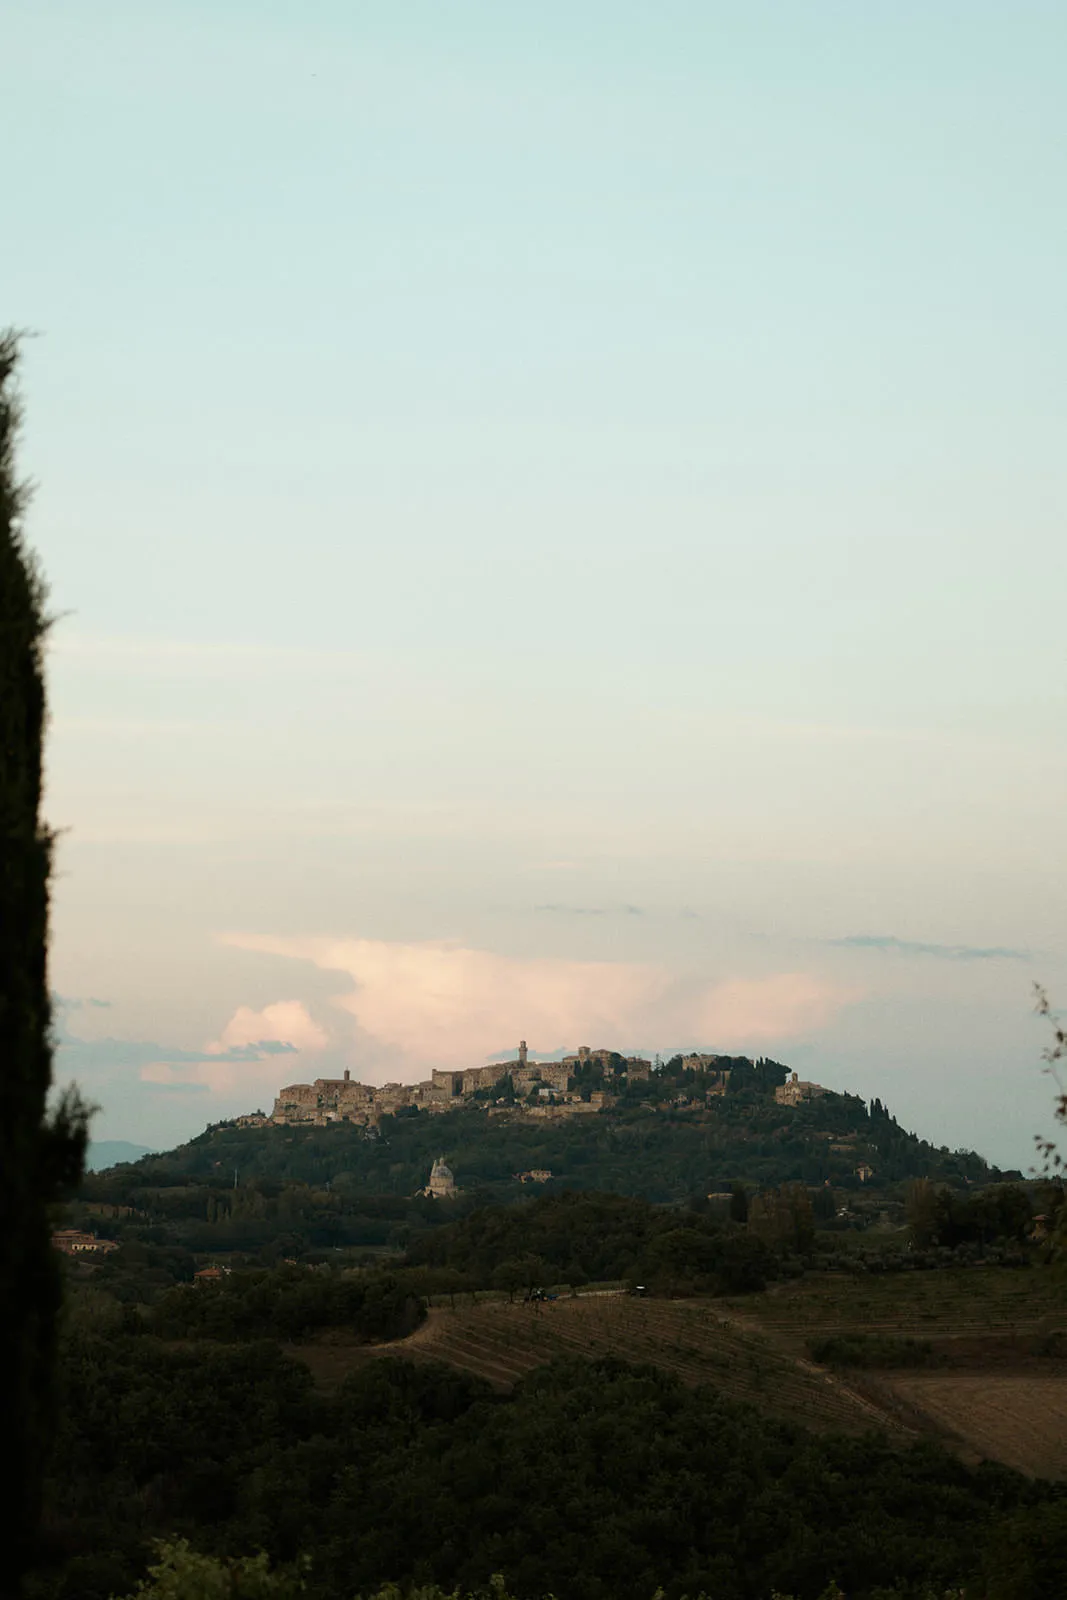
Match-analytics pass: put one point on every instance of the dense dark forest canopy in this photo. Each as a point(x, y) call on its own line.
point(290, 1304)
point(580, 1238)
point(594, 1481)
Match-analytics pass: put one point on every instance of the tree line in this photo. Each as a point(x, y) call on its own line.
point(595, 1480)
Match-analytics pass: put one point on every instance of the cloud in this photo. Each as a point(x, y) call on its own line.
point(163, 1073)
point(285, 1025)
point(235, 1061)
point(135, 1052)
point(245, 1057)
point(592, 911)
point(442, 1004)
point(945, 952)
point(746, 1010)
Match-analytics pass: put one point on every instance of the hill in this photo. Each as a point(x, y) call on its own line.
point(973, 1358)
point(104, 1153)
point(664, 1149)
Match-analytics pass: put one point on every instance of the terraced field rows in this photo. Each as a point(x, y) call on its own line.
point(501, 1343)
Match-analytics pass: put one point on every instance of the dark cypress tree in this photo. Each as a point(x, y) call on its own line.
point(738, 1203)
point(41, 1152)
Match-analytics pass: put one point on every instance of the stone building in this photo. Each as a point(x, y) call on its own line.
point(523, 1073)
point(344, 1100)
point(76, 1242)
point(442, 1184)
point(340, 1100)
point(794, 1092)
point(610, 1062)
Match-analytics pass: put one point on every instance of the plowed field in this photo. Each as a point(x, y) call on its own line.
point(1020, 1419)
point(692, 1339)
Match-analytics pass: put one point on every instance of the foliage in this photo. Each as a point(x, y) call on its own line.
point(290, 1303)
point(40, 1154)
point(593, 1481)
point(1027, 1555)
point(579, 1238)
point(783, 1217)
point(938, 1216)
point(1053, 1161)
point(1052, 1056)
point(181, 1573)
point(871, 1350)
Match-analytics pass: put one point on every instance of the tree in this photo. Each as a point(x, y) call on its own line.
point(783, 1217)
point(1052, 1162)
point(738, 1203)
point(923, 1212)
point(181, 1573)
point(1052, 1055)
point(510, 1276)
point(40, 1155)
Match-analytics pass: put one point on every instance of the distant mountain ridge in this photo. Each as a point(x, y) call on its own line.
point(110, 1152)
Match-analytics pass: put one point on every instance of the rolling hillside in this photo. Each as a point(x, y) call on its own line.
point(662, 1153)
point(997, 1388)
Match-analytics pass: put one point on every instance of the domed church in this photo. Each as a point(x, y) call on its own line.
point(442, 1185)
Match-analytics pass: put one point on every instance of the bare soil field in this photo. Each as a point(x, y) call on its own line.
point(1017, 1418)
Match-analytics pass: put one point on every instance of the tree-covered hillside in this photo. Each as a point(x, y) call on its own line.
point(665, 1153)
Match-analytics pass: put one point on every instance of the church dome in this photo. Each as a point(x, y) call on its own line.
point(442, 1184)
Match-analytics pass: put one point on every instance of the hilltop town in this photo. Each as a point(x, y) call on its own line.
point(536, 1086)
point(586, 1082)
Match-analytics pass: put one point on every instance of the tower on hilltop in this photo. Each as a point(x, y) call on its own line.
point(522, 1052)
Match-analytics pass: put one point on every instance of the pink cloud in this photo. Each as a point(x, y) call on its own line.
point(286, 1021)
point(742, 1011)
point(255, 1074)
point(440, 1004)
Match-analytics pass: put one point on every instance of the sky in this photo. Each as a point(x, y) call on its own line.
point(554, 516)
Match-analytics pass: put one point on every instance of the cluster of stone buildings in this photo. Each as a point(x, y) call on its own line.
point(551, 1083)
point(794, 1093)
point(76, 1242)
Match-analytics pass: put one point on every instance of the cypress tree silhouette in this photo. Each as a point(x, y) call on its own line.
point(41, 1153)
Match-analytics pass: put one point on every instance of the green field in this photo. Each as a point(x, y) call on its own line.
point(952, 1302)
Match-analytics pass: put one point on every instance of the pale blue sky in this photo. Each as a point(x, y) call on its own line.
point(502, 465)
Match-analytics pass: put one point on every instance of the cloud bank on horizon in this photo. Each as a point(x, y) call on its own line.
point(437, 1003)
point(411, 1006)
point(944, 952)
